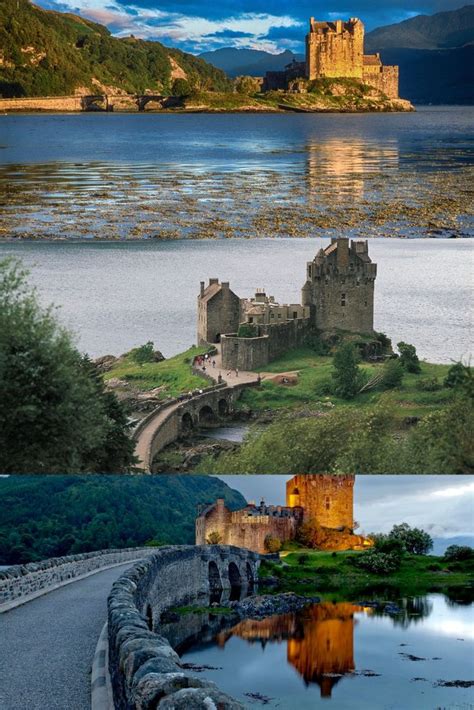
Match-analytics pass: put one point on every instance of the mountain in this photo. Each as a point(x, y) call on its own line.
point(444, 30)
point(435, 55)
point(249, 62)
point(46, 53)
point(50, 516)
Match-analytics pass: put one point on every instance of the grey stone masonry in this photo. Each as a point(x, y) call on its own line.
point(25, 580)
point(146, 673)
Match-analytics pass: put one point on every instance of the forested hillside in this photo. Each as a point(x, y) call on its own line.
point(46, 53)
point(50, 516)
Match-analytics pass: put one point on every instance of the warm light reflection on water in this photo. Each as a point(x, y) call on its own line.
point(349, 654)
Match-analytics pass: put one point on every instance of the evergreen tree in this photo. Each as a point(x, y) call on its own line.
point(347, 374)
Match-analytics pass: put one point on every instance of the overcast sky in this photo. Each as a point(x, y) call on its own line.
point(442, 505)
point(274, 25)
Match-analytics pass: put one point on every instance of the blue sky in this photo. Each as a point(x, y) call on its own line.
point(442, 505)
point(273, 25)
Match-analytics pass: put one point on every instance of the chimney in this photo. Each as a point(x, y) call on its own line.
point(339, 26)
point(212, 282)
point(202, 288)
point(225, 284)
point(342, 252)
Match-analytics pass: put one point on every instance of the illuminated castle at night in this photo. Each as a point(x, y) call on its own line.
point(326, 501)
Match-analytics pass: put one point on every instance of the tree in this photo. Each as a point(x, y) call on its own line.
point(414, 540)
point(55, 416)
point(458, 375)
point(408, 357)
point(181, 87)
point(392, 374)
point(272, 544)
point(144, 353)
point(455, 553)
point(214, 538)
point(347, 374)
point(247, 85)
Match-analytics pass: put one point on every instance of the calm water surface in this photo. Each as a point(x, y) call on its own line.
point(171, 176)
point(346, 656)
point(117, 296)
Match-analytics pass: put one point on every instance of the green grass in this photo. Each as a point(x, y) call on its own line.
point(332, 573)
point(174, 375)
point(315, 371)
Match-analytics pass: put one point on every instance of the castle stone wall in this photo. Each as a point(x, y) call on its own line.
point(23, 580)
point(385, 79)
point(218, 312)
point(273, 341)
point(145, 671)
point(335, 49)
point(243, 530)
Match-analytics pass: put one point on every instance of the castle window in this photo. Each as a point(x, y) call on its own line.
point(327, 503)
point(272, 315)
point(279, 315)
point(365, 303)
point(250, 319)
point(343, 299)
point(295, 314)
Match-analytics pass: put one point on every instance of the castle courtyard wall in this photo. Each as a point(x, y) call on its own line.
point(385, 79)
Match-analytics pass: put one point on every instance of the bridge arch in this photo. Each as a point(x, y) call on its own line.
point(206, 415)
point(235, 578)
point(249, 573)
point(187, 422)
point(215, 582)
point(223, 407)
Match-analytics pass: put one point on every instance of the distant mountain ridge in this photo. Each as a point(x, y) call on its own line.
point(249, 62)
point(435, 54)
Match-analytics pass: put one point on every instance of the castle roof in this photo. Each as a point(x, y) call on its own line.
point(372, 60)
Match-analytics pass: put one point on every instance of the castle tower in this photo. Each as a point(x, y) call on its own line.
point(335, 49)
point(218, 311)
point(340, 287)
point(326, 499)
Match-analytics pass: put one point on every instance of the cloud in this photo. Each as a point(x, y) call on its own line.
point(272, 25)
point(442, 505)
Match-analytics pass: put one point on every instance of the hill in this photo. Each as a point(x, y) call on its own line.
point(435, 55)
point(46, 53)
point(50, 516)
point(249, 62)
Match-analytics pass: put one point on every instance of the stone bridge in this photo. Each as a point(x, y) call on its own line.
point(91, 102)
point(61, 604)
point(145, 672)
point(180, 416)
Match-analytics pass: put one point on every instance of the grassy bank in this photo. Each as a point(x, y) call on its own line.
point(173, 375)
point(314, 374)
point(333, 574)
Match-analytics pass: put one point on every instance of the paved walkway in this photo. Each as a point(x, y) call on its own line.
point(47, 645)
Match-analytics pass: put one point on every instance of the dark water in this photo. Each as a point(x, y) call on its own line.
point(170, 176)
point(347, 656)
point(118, 296)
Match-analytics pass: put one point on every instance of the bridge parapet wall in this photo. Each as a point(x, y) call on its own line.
point(24, 580)
point(145, 671)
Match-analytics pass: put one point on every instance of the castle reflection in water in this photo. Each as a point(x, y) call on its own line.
point(320, 640)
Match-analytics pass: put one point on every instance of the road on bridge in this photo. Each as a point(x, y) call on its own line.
point(47, 645)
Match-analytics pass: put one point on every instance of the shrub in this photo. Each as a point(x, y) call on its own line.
point(408, 357)
point(428, 384)
point(181, 87)
point(272, 544)
point(347, 375)
point(377, 562)
point(459, 552)
point(414, 540)
point(392, 374)
point(384, 341)
point(143, 354)
point(388, 544)
point(317, 344)
point(303, 559)
point(457, 375)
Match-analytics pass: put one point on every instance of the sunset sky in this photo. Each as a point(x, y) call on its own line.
point(273, 25)
point(442, 505)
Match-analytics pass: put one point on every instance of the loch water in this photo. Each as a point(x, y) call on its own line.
point(346, 655)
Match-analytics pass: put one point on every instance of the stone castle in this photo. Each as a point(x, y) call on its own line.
point(322, 499)
point(336, 50)
point(338, 295)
